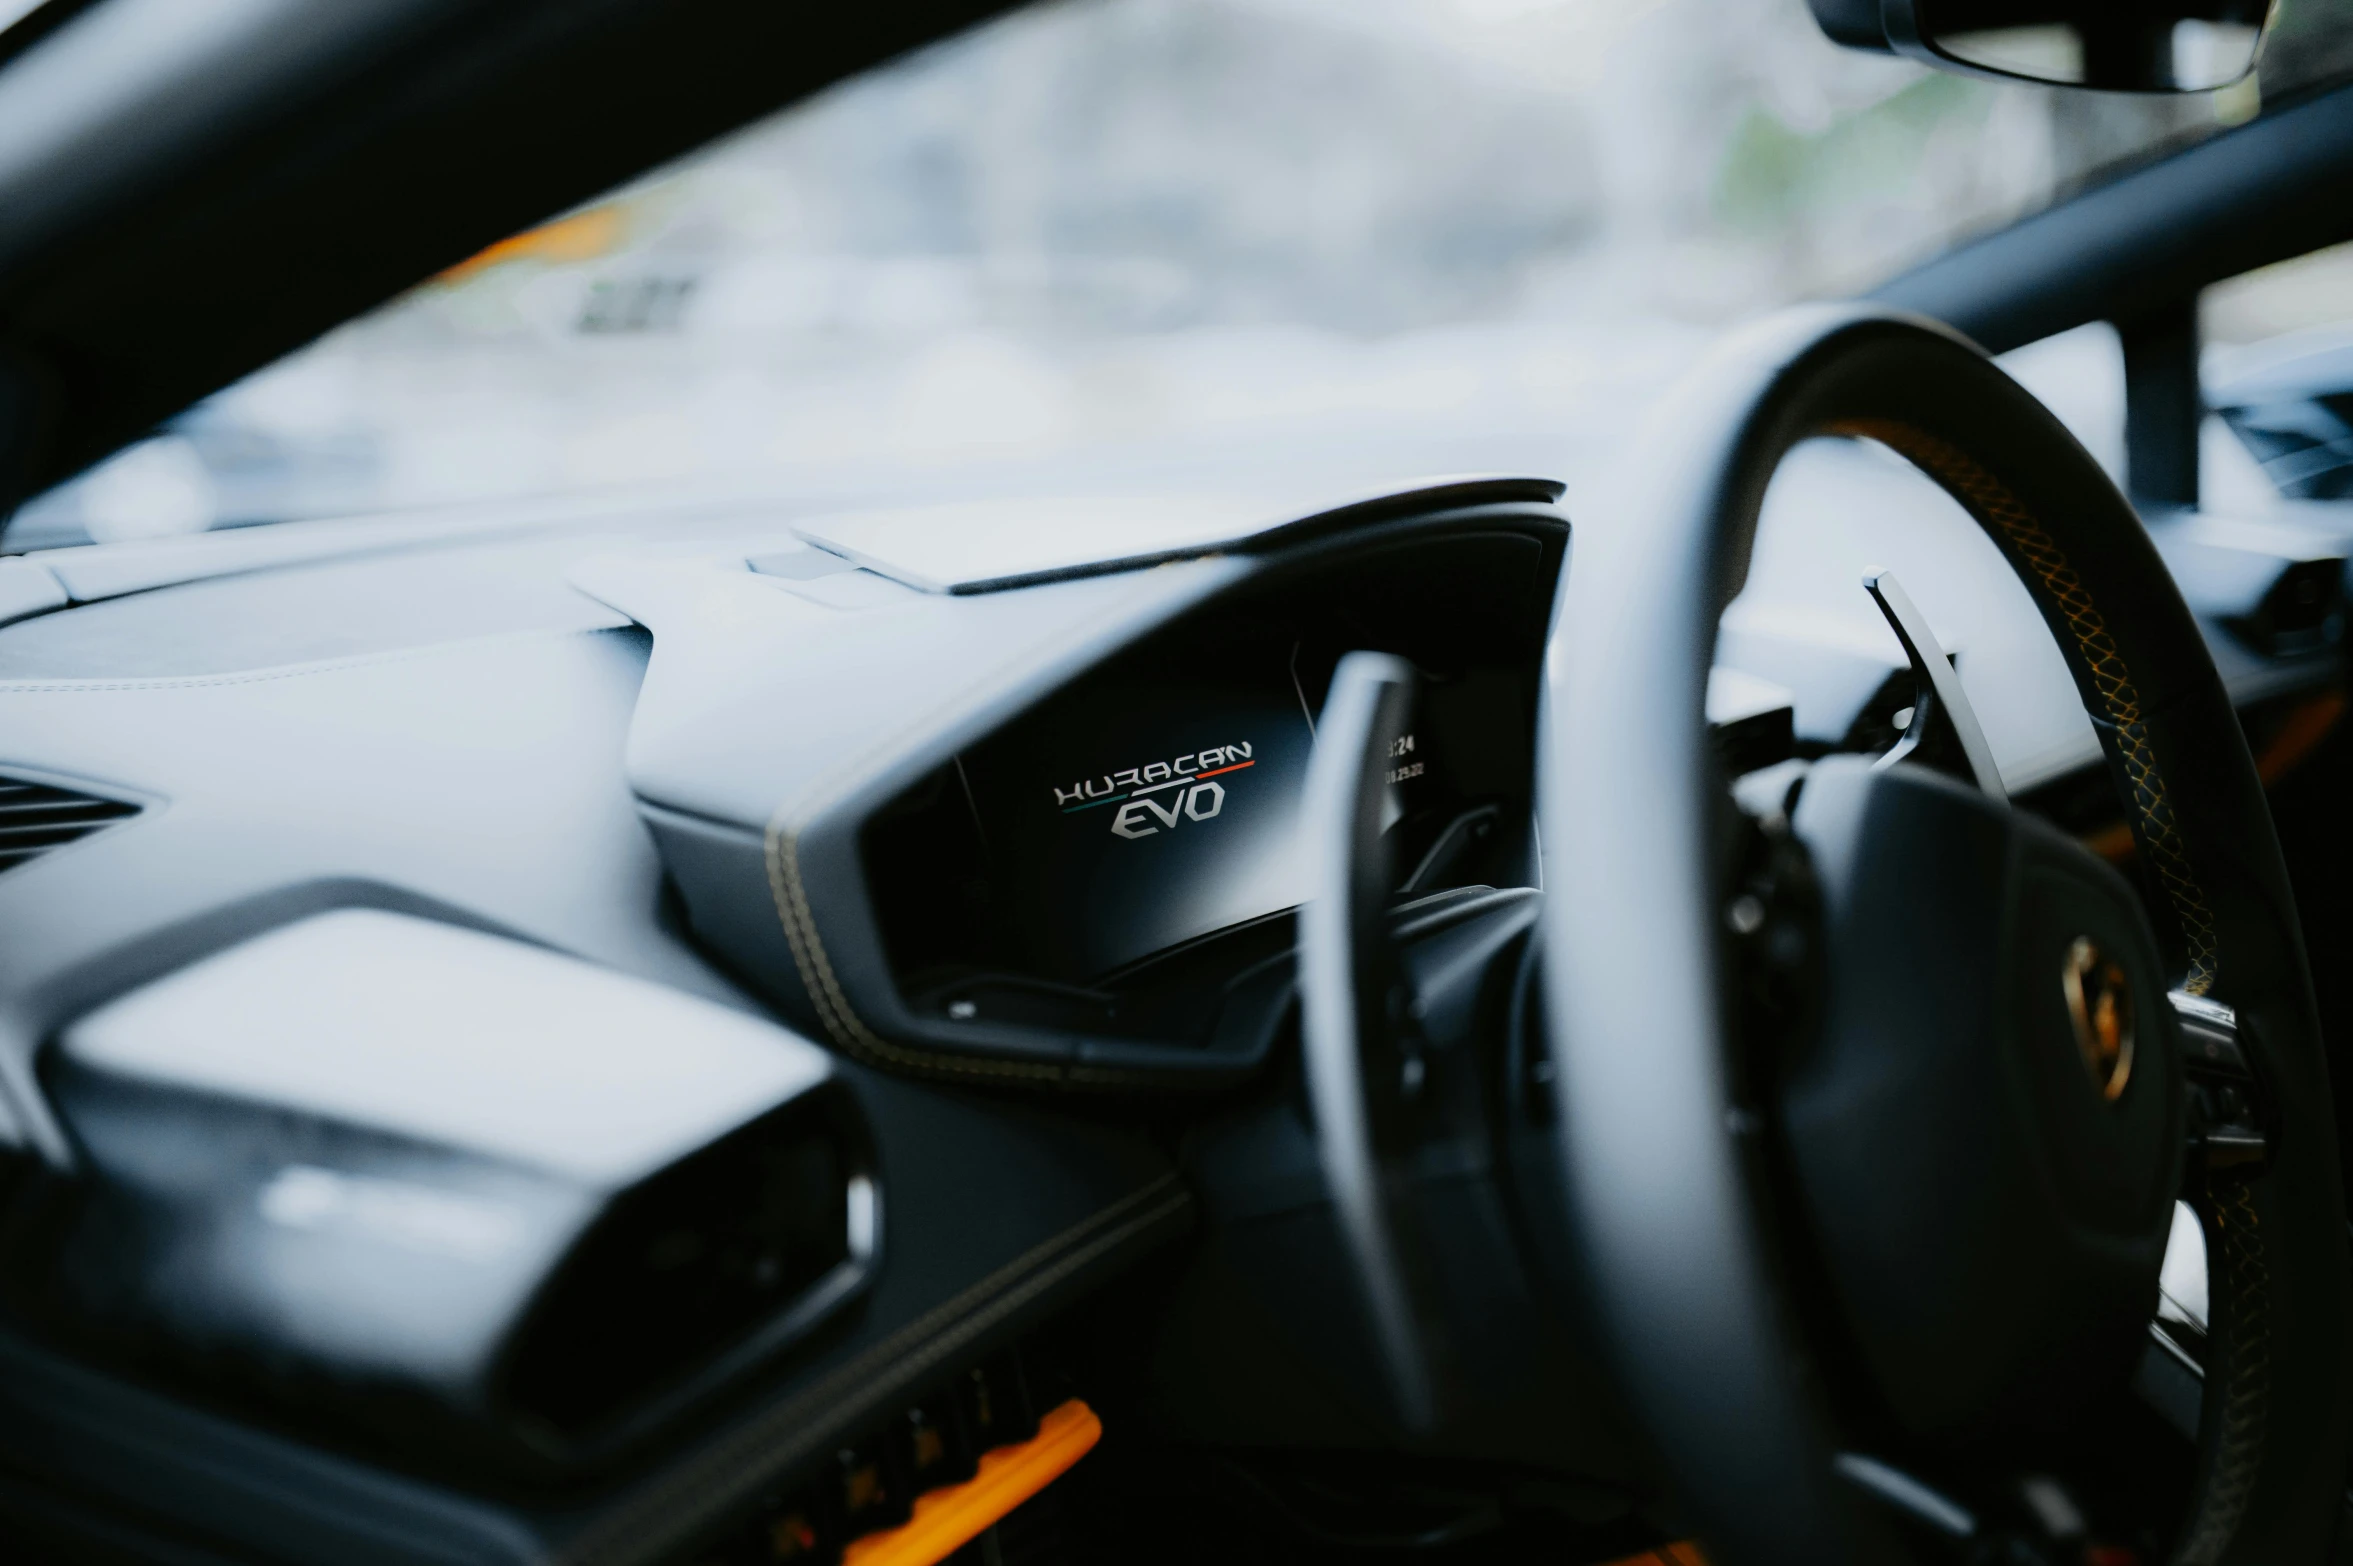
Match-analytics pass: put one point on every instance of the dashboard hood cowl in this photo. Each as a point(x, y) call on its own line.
point(795, 685)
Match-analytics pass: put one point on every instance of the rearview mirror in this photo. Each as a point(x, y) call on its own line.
point(2107, 45)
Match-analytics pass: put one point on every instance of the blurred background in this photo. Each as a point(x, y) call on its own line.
point(1112, 240)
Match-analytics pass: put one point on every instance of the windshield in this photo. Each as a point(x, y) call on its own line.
point(1107, 237)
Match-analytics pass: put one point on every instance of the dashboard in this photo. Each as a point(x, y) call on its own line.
point(713, 881)
point(1032, 826)
point(887, 926)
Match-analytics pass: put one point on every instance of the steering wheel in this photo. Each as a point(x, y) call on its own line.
point(1918, 1211)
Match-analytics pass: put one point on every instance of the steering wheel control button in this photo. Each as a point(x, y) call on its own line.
point(2099, 1004)
point(2209, 1033)
point(2227, 1109)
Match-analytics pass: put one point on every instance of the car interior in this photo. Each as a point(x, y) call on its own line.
point(1784, 1006)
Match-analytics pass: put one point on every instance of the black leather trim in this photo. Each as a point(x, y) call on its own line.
point(2152, 236)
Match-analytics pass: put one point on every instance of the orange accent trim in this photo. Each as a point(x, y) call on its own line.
point(2299, 734)
point(2113, 842)
point(581, 237)
point(1681, 1553)
point(2304, 729)
point(947, 1519)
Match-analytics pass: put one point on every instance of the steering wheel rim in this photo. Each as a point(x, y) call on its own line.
point(1664, 1208)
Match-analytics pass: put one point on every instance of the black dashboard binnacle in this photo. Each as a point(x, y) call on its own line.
point(1121, 859)
point(1039, 827)
point(1120, 862)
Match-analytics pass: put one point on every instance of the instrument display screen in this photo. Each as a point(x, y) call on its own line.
point(1145, 806)
point(1155, 800)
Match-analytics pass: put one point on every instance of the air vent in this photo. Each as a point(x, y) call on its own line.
point(35, 818)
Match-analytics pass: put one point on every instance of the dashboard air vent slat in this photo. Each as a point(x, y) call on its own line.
point(35, 818)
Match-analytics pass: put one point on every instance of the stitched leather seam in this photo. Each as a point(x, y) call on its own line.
point(2244, 1344)
point(788, 890)
point(841, 1021)
point(1995, 507)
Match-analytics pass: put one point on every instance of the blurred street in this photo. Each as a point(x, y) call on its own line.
point(1111, 241)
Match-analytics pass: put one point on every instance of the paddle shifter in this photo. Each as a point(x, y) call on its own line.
point(1362, 1066)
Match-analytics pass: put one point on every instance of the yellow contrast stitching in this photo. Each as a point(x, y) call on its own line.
point(782, 855)
point(2242, 1273)
point(1991, 502)
point(848, 1029)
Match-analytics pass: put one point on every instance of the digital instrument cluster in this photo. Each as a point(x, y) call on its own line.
point(1145, 806)
point(1112, 858)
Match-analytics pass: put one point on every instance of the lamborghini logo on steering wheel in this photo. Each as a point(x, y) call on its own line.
point(2099, 1003)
